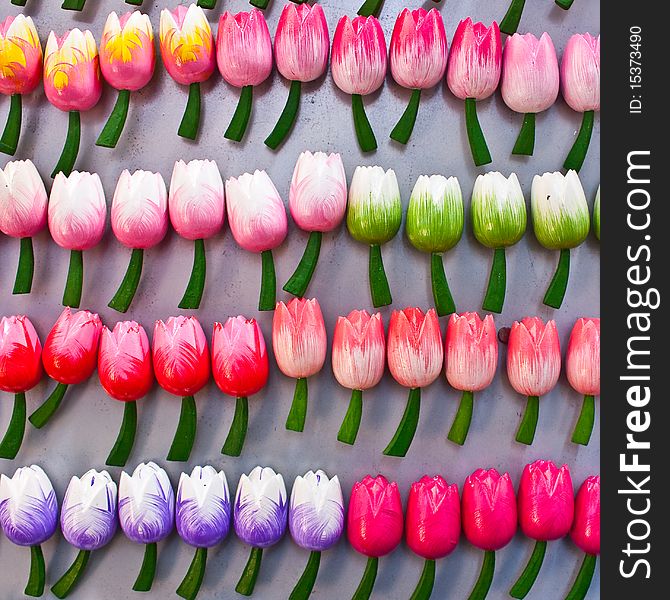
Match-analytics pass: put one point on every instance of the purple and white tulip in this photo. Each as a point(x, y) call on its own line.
point(202, 518)
point(88, 522)
point(146, 514)
point(28, 516)
point(316, 522)
point(259, 516)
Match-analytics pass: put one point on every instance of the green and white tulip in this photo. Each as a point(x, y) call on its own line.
point(596, 214)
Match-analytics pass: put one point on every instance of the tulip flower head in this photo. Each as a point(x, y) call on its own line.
point(188, 53)
point(299, 344)
point(28, 517)
point(244, 58)
point(498, 211)
point(561, 222)
point(580, 86)
point(415, 354)
point(88, 522)
point(473, 73)
point(302, 44)
point(69, 357)
point(546, 509)
point(72, 83)
point(23, 213)
point(418, 56)
point(20, 72)
point(146, 514)
point(317, 201)
point(359, 356)
point(359, 68)
point(374, 215)
point(20, 371)
point(596, 215)
point(435, 225)
point(259, 515)
point(258, 223)
point(240, 369)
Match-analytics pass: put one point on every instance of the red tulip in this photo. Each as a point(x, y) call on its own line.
point(240, 369)
point(181, 362)
point(126, 374)
point(70, 356)
point(20, 371)
point(546, 509)
point(374, 523)
point(489, 519)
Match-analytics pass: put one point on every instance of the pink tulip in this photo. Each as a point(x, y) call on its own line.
point(533, 367)
point(473, 73)
point(546, 509)
point(299, 343)
point(359, 356)
point(302, 44)
point(415, 353)
point(471, 357)
point(529, 82)
point(418, 60)
point(244, 58)
point(359, 67)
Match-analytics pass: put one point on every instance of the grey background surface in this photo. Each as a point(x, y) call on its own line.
point(85, 428)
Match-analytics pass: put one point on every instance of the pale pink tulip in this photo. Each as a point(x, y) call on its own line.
point(20, 56)
point(580, 72)
point(23, 200)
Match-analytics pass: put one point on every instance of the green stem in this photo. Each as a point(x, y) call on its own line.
point(75, 280)
point(73, 4)
point(145, 577)
point(19, 2)
point(526, 580)
point(584, 427)
point(111, 132)
point(180, 450)
point(404, 435)
point(63, 587)
point(526, 432)
point(495, 292)
point(404, 127)
point(577, 154)
point(461, 425)
point(305, 585)
point(262, 4)
point(424, 588)
point(268, 295)
point(190, 122)
point(42, 415)
point(135, 2)
point(364, 134)
point(296, 416)
point(478, 147)
point(207, 3)
point(364, 589)
point(352, 420)
point(126, 292)
point(444, 302)
point(581, 585)
point(481, 589)
point(240, 120)
point(37, 577)
point(297, 284)
point(238, 430)
point(564, 4)
point(24, 273)
point(196, 283)
point(559, 282)
point(10, 136)
point(71, 148)
point(11, 442)
point(510, 22)
point(245, 585)
point(287, 117)
point(525, 143)
point(379, 285)
point(126, 438)
point(371, 8)
point(190, 585)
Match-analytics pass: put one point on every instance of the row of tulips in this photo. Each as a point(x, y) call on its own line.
point(488, 513)
point(243, 51)
point(180, 362)
point(196, 205)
